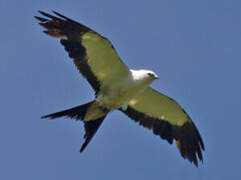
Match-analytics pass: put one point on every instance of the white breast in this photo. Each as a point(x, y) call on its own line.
point(117, 94)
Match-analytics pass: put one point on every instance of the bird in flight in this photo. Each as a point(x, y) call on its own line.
point(119, 88)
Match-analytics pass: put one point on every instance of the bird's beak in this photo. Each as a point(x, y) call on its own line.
point(156, 77)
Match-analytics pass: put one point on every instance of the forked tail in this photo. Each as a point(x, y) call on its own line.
point(90, 113)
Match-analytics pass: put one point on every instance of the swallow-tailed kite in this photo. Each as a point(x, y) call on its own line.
point(119, 88)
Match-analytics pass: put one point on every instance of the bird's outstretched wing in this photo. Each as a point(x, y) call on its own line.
point(93, 54)
point(165, 117)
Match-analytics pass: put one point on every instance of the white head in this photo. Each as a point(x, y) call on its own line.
point(144, 75)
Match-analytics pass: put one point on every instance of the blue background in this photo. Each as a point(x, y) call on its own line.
point(195, 48)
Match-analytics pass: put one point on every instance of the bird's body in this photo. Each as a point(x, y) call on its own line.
point(119, 88)
point(117, 94)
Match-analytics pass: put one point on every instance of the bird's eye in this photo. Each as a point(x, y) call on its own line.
point(150, 74)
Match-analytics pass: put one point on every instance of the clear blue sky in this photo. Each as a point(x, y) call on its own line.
point(195, 48)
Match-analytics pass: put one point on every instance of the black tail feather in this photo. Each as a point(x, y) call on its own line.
point(90, 129)
point(77, 112)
